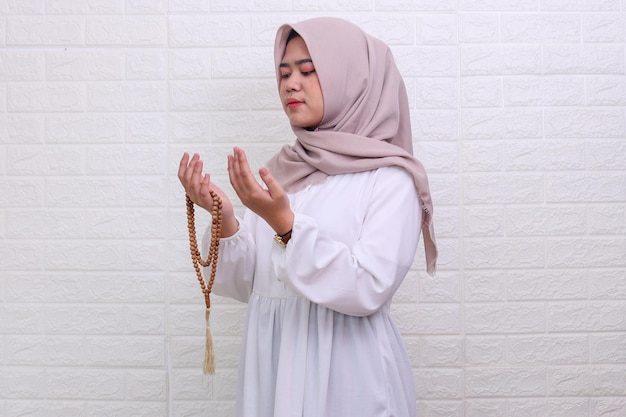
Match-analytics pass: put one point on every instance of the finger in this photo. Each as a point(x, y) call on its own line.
point(237, 164)
point(244, 173)
point(236, 172)
point(196, 176)
point(186, 167)
point(206, 180)
point(232, 175)
point(273, 187)
point(189, 171)
point(191, 180)
point(182, 166)
point(204, 187)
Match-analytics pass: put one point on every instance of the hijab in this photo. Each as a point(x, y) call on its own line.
point(366, 123)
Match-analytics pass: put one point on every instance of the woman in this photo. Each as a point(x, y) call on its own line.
point(327, 241)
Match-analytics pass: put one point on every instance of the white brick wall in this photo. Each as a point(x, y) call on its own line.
point(519, 113)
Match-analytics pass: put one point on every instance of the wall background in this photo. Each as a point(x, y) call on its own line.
point(518, 113)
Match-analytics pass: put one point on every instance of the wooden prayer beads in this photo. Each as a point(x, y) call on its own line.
point(196, 257)
point(216, 230)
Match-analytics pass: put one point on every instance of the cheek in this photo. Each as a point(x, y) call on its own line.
point(315, 90)
point(283, 84)
point(319, 94)
point(320, 100)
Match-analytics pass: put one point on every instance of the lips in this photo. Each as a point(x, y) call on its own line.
point(292, 103)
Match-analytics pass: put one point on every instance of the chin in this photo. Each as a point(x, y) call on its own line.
point(305, 126)
point(297, 123)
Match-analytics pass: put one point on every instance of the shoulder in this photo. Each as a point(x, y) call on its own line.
point(394, 171)
point(384, 181)
point(391, 173)
point(392, 176)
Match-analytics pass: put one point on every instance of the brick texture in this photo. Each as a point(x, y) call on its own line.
point(519, 114)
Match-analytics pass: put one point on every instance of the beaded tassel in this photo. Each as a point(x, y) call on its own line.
point(196, 258)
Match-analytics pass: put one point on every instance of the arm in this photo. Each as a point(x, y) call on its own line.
point(236, 262)
point(198, 185)
point(359, 278)
point(271, 203)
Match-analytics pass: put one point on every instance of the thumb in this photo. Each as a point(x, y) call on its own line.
point(273, 187)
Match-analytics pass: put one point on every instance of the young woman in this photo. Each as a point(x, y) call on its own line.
point(329, 237)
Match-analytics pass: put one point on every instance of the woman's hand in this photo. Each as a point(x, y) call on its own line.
point(272, 204)
point(197, 186)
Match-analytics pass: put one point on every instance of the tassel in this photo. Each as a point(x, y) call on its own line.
point(209, 356)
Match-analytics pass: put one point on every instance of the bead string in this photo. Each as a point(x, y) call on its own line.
point(216, 230)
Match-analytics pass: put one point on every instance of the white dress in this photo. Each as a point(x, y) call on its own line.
point(319, 340)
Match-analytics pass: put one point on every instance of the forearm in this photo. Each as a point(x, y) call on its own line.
point(235, 266)
point(356, 280)
point(352, 256)
point(230, 225)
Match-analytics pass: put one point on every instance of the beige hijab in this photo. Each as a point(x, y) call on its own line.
point(366, 123)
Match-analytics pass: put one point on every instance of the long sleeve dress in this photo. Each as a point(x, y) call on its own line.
point(319, 340)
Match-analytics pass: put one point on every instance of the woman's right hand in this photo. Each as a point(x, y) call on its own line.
point(197, 186)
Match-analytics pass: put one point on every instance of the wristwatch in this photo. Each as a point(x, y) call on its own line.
point(283, 239)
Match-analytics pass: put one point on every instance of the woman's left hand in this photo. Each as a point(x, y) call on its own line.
point(272, 204)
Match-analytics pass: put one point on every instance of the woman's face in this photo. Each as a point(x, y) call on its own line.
point(300, 90)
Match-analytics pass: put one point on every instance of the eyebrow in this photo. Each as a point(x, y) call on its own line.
point(299, 62)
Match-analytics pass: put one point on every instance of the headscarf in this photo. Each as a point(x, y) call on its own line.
point(366, 123)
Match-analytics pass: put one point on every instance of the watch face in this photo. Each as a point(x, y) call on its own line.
point(280, 240)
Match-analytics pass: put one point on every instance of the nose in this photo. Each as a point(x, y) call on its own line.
point(293, 82)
